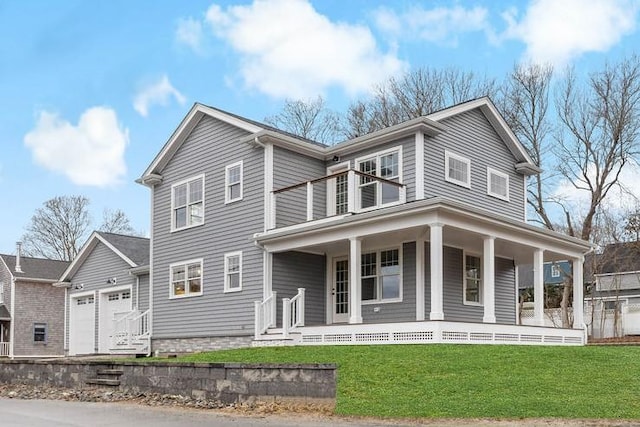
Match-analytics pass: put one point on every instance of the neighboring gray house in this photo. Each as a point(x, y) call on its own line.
point(613, 305)
point(31, 310)
point(107, 296)
point(411, 234)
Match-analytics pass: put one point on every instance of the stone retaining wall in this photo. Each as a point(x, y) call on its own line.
point(222, 382)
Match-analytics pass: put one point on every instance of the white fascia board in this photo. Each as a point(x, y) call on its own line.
point(184, 129)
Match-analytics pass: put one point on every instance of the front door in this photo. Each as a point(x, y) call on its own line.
point(337, 190)
point(340, 290)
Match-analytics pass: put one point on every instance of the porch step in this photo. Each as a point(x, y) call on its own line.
point(103, 381)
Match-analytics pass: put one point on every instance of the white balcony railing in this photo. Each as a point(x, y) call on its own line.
point(292, 312)
point(4, 349)
point(131, 330)
point(265, 314)
point(332, 195)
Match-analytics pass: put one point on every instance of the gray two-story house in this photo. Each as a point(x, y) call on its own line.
point(411, 234)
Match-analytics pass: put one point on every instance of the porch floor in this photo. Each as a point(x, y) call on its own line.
point(426, 332)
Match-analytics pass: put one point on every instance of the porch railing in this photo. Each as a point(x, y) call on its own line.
point(4, 349)
point(265, 314)
point(292, 312)
point(131, 329)
point(308, 201)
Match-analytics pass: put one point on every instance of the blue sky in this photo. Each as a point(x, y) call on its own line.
point(90, 91)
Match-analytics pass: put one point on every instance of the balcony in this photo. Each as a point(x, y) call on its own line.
point(333, 196)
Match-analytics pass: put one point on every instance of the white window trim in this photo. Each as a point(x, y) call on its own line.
point(464, 280)
point(227, 198)
point(377, 155)
point(491, 171)
point(227, 289)
point(449, 155)
point(173, 210)
point(378, 260)
point(186, 263)
point(331, 186)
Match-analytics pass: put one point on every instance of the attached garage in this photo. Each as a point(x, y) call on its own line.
point(82, 324)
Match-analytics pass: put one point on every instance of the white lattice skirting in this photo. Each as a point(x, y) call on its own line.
point(436, 332)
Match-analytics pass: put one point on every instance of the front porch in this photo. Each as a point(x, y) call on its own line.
point(4, 338)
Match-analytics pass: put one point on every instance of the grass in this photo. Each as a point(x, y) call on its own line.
point(463, 381)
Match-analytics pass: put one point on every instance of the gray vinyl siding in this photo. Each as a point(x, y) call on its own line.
point(408, 161)
point(470, 135)
point(404, 311)
point(290, 168)
point(210, 147)
point(101, 264)
point(143, 292)
point(293, 270)
point(453, 306)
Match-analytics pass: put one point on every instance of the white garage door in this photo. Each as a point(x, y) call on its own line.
point(82, 325)
point(111, 304)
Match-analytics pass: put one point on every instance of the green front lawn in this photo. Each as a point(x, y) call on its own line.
point(469, 381)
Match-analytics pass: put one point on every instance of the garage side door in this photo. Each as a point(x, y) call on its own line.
point(82, 325)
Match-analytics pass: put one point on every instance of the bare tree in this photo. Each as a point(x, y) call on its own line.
point(417, 93)
point(310, 119)
point(58, 228)
point(116, 221)
point(525, 105)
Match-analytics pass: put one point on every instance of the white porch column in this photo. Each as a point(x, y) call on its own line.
point(488, 280)
point(355, 262)
point(538, 287)
point(437, 312)
point(420, 241)
point(578, 293)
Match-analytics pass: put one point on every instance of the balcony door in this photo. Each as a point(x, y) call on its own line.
point(337, 190)
point(340, 290)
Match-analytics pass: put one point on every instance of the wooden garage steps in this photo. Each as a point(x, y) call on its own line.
point(106, 377)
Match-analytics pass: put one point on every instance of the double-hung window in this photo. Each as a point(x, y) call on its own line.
point(233, 182)
point(380, 276)
point(186, 279)
point(188, 203)
point(233, 272)
point(375, 193)
point(472, 280)
point(497, 184)
point(457, 169)
point(40, 333)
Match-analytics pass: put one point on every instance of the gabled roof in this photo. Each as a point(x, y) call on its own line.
point(492, 114)
point(133, 250)
point(39, 269)
point(619, 258)
point(430, 125)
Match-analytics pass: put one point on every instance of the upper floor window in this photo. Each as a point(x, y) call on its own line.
point(233, 272)
point(1, 292)
point(385, 164)
point(187, 203)
point(186, 279)
point(497, 184)
point(380, 276)
point(555, 270)
point(472, 280)
point(233, 182)
point(457, 169)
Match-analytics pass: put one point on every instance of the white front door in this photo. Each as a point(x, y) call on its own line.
point(340, 290)
point(82, 332)
point(112, 304)
point(338, 190)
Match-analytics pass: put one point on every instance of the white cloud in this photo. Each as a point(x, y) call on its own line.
point(438, 25)
point(189, 32)
point(156, 93)
point(288, 49)
point(91, 153)
point(556, 31)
